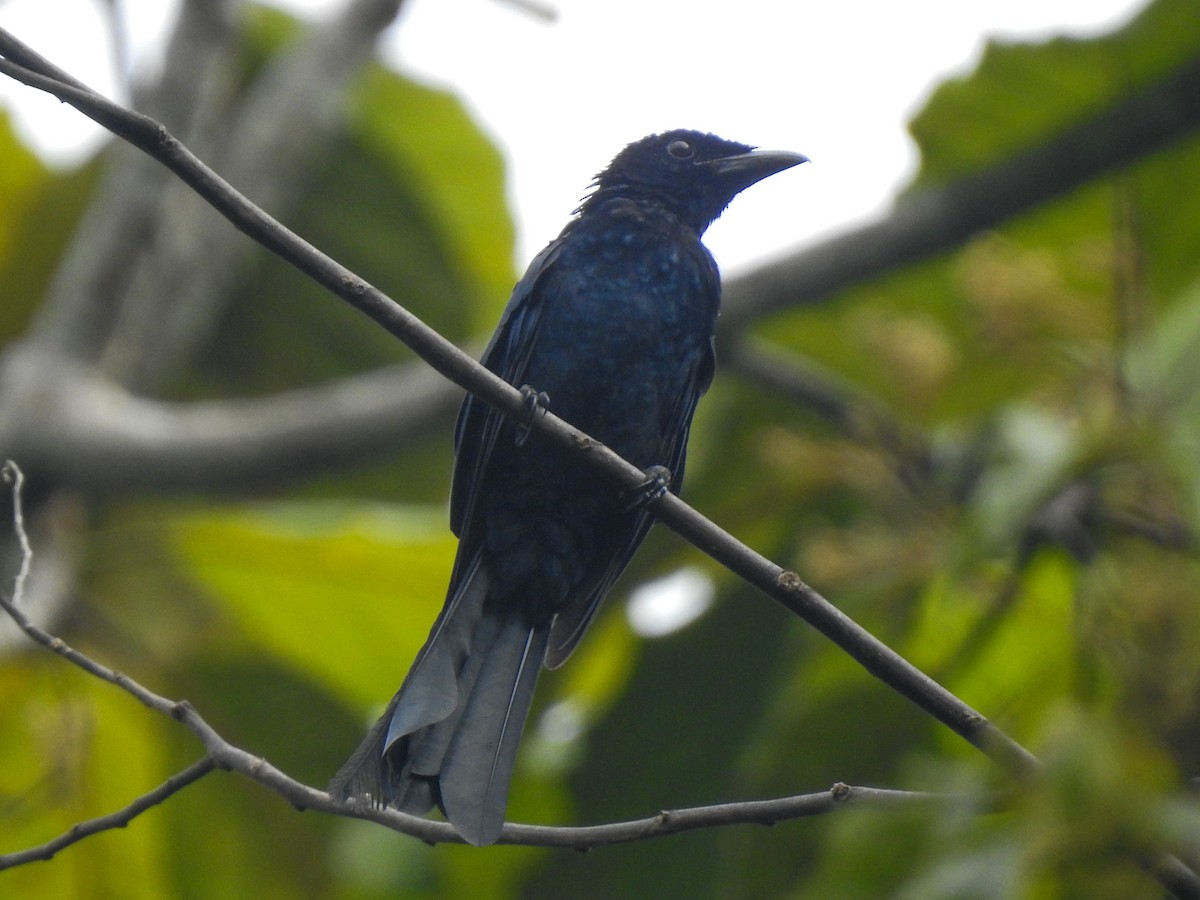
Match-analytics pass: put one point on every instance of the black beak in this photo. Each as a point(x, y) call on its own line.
point(743, 170)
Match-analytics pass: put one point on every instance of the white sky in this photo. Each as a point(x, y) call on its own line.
point(836, 81)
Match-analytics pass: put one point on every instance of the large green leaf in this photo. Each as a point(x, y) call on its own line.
point(1021, 93)
point(346, 593)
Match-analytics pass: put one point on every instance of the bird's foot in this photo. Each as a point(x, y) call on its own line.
point(655, 487)
point(535, 401)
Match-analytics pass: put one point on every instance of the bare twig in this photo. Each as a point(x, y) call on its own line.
point(13, 475)
point(116, 819)
point(221, 753)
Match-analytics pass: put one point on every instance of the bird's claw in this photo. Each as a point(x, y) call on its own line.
point(535, 401)
point(655, 487)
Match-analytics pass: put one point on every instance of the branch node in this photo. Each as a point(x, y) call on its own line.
point(13, 475)
point(789, 582)
point(180, 710)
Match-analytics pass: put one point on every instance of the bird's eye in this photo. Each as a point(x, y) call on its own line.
point(680, 149)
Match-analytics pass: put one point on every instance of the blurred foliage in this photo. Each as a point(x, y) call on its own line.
point(1031, 545)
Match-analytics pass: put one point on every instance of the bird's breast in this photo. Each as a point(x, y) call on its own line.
point(624, 328)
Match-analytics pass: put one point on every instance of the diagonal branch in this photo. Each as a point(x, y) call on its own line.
point(117, 819)
point(85, 432)
point(75, 319)
point(171, 309)
point(782, 586)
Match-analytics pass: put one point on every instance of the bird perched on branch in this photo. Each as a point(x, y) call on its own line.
point(612, 328)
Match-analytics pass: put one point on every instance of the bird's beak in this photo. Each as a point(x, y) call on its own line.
point(743, 170)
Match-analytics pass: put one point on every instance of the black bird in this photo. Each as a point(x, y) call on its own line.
point(612, 327)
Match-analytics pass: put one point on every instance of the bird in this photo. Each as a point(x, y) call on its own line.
point(611, 328)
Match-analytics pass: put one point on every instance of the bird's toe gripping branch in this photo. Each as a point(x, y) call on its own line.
point(655, 487)
point(535, 401)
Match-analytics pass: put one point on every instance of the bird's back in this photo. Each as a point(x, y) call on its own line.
point(625, 312)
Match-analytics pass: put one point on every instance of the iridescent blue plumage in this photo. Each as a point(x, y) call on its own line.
point(614, 321)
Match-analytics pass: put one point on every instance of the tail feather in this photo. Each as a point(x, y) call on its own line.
point(428, 747)
point(378, 771)
point(450, 735)
point(430, 691)
point(479, 762)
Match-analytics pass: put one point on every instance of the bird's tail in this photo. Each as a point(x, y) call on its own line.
point(450, 735)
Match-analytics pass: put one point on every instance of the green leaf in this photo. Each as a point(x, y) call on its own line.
point(1022, 93)
point(344, 592)
point(426, 142)
point(1026, 659)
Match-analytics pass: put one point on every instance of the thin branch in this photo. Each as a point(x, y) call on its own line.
point(117, 819)
point(753, 812)
point(25, 56)
point(1172, 873)
point(13, 475)
point(220, 753)
point(85, 432)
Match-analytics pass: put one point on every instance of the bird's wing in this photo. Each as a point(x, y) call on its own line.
point(572, 622)
point(507, 355)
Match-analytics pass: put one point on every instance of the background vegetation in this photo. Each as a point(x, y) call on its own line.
point(989, 456)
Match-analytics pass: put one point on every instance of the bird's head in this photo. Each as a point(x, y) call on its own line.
point(689, 173)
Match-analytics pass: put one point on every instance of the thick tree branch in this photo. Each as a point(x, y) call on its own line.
point(172, 307)
point(76, 317)
point(938, 219)
point(88, 433)
point(150, 267)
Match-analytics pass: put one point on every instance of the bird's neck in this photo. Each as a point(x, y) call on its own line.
point(650, 206)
